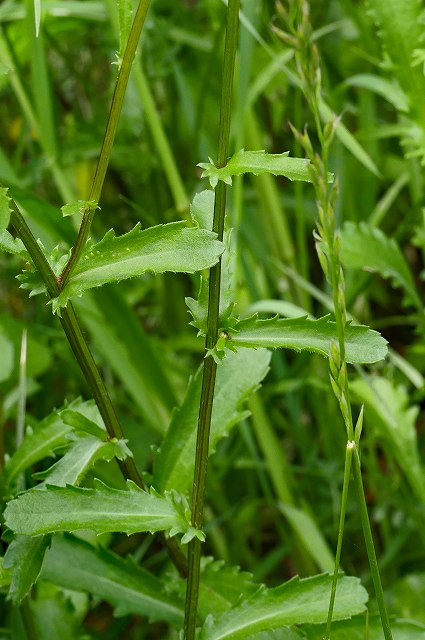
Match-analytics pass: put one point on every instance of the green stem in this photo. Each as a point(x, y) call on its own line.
point(84, 357)
point(108, 139)
point(347, 471)
point(210, 366)
point(370, 547)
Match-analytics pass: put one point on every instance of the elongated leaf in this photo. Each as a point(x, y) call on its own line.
point(170, 247)
point(370, 249)
point(237, 378)
point(36, 445)
point(4, 209)
point(258, 162)
point(74, 564)
point(390, 91)
point(102, 510)
point(25, 556)
point(362, 344)
point(295, 602)
point(394, 420)
point(80, 457)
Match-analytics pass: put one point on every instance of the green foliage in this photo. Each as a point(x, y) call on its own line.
point(74, 564)
point(258, 163)
point(362, 344)
point(173, 247)
point(296, 602)
point(102, 509)
point(339, 85)
point(240, 375)
point(367, 248)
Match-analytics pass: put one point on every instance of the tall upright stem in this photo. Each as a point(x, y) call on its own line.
point(210, 366)
point(108, 139)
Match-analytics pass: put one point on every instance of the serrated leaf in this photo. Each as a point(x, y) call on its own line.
point(295, 602)
point(102, 510)
point(258, 163)
point(80, 457)
point(394, 419)
point(170, 247)
point(5, 209)
point(363, 345)
point(9, 244)
point(50, 434)
point(25, 557)
point(74, 564)
point(222, 587)
point(368, 248)
point(237, 378)
point(80, 206)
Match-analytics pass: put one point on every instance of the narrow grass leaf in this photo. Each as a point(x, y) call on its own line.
point(238, 377)
point(74, 564)
point(7, 356)
point(363, 345)
point(368, 248)
point(37, 16)
point(101, 509)
point(258, 163)
point(170, 247)
point(387, 89)
point(24, 556)
point(348, 140)
point(307, 530)
point(295, 602)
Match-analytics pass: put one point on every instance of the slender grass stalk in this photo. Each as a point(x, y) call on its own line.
point(210, 366)
point(328, 249)
point(84, 357)
point(7, 58)
point(180, 197)
point(108, 139)
point(347, 472)
point(370, 547)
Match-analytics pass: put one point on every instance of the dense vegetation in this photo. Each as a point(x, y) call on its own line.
point(281, 310)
